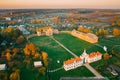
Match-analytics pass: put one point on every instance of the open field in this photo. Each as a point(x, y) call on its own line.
point(55, 53)
point(110, 42)
point(101, 66)
point(77, 45)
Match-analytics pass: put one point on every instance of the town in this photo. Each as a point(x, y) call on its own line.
point(59, 44)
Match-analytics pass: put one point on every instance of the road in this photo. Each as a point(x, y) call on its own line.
point(93, 70)
point(64, 47)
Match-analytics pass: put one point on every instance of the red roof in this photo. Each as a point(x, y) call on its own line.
point(73, 60)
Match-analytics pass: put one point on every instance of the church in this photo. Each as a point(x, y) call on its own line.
point(79, 61)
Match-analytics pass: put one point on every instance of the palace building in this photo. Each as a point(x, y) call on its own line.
point(79, 61)
point(89, 37)
point(47, 31)
point(72, 63)
point(44, 31)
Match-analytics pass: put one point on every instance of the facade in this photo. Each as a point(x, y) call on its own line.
point(84, 58)
point(47, 31)
point(2, 67)
point(72, 63)
point(23, 29)
point(44, 31)
point(89, 37)
point(37, 64)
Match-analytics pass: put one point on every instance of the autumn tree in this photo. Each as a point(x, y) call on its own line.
point(20, 39)
point(8, 56)
point(102, 32)
point(116, 32)
point(106, 56)
point(15, 51)
point(15, 75)
point(30, 49)
point(45, 58)
point(84, 29)
point(42, 70)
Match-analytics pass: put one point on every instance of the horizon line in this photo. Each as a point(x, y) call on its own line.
point(61, 8)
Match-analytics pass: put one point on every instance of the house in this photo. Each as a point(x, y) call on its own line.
point(44, 31)
point(47, 31)
point(37, 64)
point(4, 43)
point(2, 67)
point(55, 31)
point(7, 18)
point(89, 37)
point(94, 56)
point(23, 29)
point(79, 61)
point(72, 63)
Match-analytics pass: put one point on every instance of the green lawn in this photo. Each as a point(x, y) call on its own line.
point(78, 72)
point(55, 53)
point(76, 45)
point(113, 42)
point(110, 42)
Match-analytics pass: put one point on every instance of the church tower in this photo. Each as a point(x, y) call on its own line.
point(84, 56)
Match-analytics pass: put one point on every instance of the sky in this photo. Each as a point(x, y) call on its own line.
point(14, 4)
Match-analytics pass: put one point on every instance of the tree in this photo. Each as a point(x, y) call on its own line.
point(44, 55)
point(8, 56)
point(42, 70)
point(9, 29)
point(15, 75)
point(26, 51)
point(106, 56)
point(83, 29)
point(102, 32)
point(45, 58)
point(116, 32)
point(20, 39)
point(15, 51)
point(30, 49)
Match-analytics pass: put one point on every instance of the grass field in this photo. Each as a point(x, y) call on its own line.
point(111, 43)
point(55, 53)
point(77, 45)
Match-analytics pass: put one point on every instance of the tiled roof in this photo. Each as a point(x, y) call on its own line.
point(91, 55)
point(72, 60)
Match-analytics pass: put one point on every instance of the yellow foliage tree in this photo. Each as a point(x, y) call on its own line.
point(15, 51)
point(102, 32)
point(8, 56)
point(45, 58)
point(15, 75)
point(44, 55)
point(30, 49)
point(9, 29)
point(42, 70)
point(106, 56)
point(83, 29)
point(116, 32)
